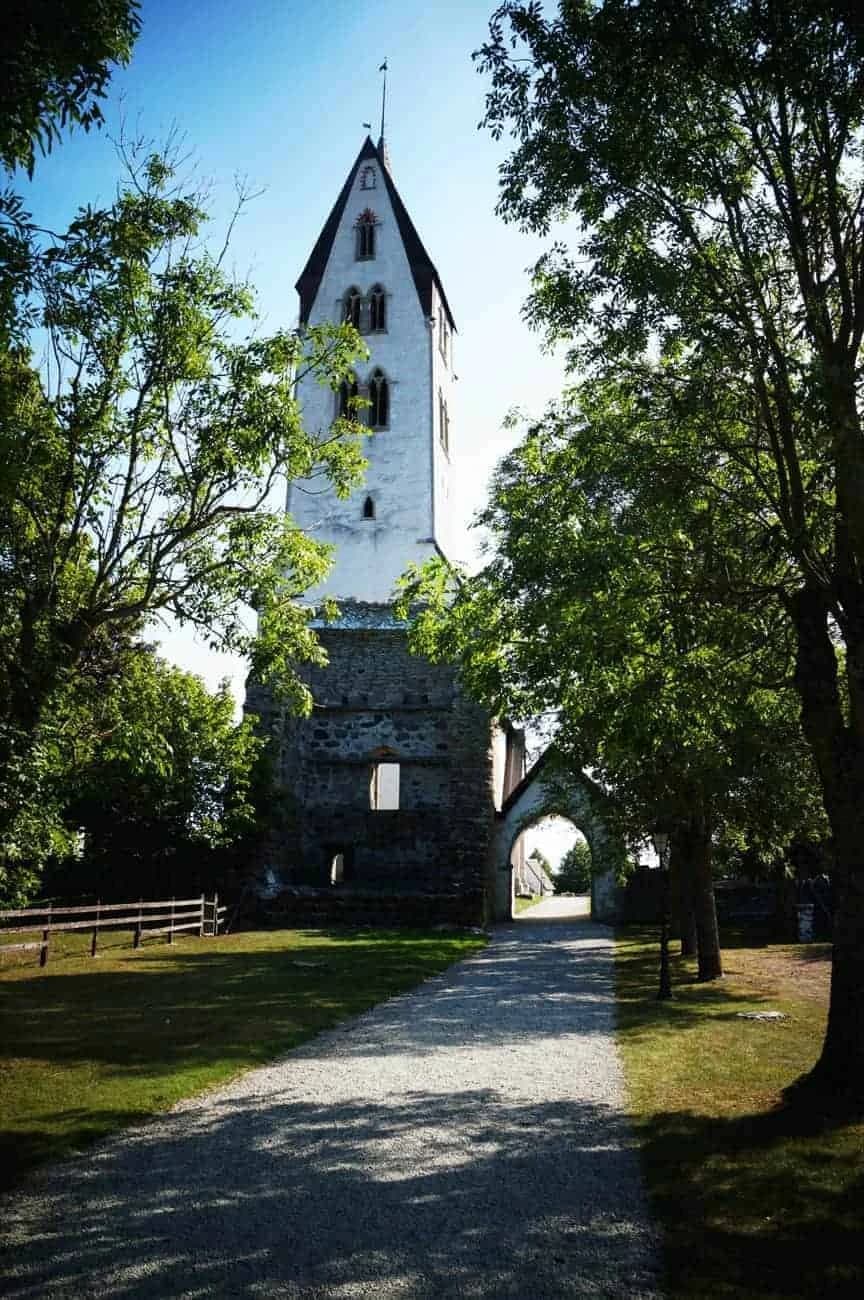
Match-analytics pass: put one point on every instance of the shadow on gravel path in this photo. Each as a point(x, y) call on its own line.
point(462, 1140)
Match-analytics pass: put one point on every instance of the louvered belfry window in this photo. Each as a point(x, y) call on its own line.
point(345, 404)
point(365, 234)
point(377, 309)
point(379, 400)
point(352, 305)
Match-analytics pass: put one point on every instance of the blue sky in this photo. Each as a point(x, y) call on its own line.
point(277, 91)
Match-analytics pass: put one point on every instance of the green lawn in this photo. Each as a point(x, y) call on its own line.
point(87, 1046)
point(758, 1197)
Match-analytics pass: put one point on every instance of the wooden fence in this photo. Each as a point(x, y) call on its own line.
point(143, 919)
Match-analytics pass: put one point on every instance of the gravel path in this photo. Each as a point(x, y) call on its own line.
point(462, 1140)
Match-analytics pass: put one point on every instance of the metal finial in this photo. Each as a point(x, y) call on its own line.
point(383, 69)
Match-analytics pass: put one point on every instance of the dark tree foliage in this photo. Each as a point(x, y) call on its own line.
point(711, 152)
point(55, 63)
point(159, 791)
point(574, 873)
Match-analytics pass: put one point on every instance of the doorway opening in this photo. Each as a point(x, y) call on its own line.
point(551, 859)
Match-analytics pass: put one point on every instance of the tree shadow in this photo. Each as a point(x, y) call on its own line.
point(759, 1206)
point(133, 1037)
point(420, 1193)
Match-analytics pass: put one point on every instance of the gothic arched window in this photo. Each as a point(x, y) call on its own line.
point(352, 305)
point(368, 508)
point(367, 178)
point(365, 235)
point(346, 399)
point(379, 400)
point(377, 308)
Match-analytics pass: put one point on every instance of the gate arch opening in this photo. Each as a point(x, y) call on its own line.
point(550, 790)
point(539, 852)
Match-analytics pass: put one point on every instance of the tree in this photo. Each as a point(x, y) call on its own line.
point(141, 463)
point(540, 860)
point(55, 62)
point(592, 606)
point(160, 785)
point(710, 153)
point(574, 872)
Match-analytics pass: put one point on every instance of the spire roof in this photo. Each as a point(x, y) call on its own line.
point(422, 267)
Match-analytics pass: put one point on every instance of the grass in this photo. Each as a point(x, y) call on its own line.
point(88, 1046)
point(522, 904)
point(758, 1196)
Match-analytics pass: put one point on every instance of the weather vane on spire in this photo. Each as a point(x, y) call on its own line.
point(383, 69)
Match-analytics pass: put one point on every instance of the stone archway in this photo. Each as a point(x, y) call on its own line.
point(545, 791)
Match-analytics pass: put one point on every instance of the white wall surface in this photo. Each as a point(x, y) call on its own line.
point(404, 459)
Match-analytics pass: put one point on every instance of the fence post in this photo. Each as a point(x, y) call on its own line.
point(95, 929)
point(201, 929)
point(46, 935)
point(215, 916)
point(171, 924)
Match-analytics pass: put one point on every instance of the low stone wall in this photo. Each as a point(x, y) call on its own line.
point(404, 911)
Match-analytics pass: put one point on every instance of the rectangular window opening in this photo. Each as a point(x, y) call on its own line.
point(384, 787)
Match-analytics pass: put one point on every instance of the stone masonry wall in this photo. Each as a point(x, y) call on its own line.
point(374, 699)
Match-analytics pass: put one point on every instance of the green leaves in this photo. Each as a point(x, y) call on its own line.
point(55, 62)
point(605, 601)
point(162, 783)
point(145, 462)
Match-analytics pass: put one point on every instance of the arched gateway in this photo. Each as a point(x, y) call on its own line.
point(546, 791)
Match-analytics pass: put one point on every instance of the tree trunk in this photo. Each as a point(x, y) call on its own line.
point(680, 883)
point(688, 921)
point(700, 854)
point(682, 921)
point(839, 754)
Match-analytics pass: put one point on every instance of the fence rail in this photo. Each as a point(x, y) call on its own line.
point(202, 914)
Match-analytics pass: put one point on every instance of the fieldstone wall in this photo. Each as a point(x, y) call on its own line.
point(374, 699)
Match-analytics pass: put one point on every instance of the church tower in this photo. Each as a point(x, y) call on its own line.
point(369, 266)
point(387, 793)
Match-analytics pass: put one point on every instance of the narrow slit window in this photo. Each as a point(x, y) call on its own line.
point(379, 401)
point(368, 508)
point(384, 787)
point(442, 332)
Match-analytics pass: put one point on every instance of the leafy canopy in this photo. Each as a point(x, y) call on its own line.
point(162, 787)
point(574, 872)
point(147, 430)
point(55, 62)
point(598, 604)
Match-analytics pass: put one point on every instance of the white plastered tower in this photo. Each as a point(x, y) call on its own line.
point(370, 256)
